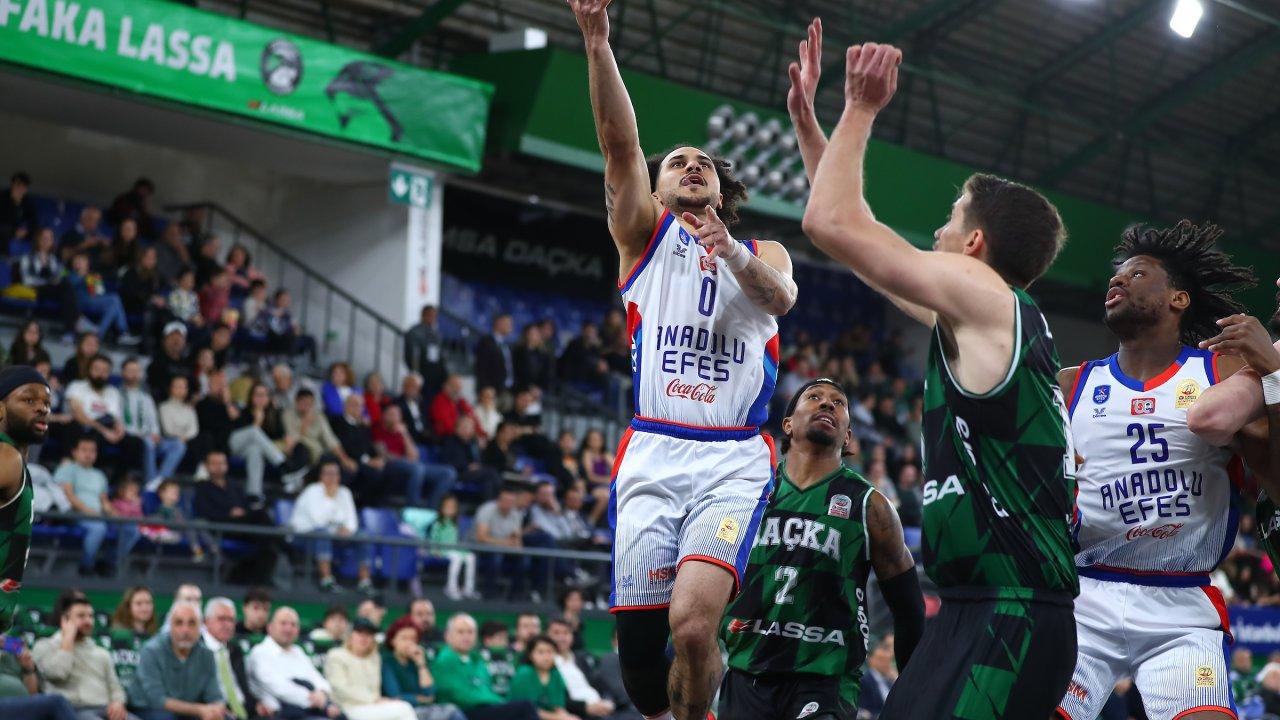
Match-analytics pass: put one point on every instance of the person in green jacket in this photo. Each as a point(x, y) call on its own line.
point(463, 679)
point(405, 674)
point(539, 682)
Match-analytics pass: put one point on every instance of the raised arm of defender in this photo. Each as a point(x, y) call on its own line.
point(633, 211)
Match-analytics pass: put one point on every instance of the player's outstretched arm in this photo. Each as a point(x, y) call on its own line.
point(1236, 401)
point(632, 209)
point(897, 575)
point(10, 473)
point(841, 224)
point(765, 277)
point(805, 75)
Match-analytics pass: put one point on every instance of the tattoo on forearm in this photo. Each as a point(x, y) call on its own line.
point(762, 282)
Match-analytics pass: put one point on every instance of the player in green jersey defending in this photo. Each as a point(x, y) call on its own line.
point(797, 635)
point(24, 420)
point(997, 462)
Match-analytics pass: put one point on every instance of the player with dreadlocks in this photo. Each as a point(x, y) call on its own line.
point(1154, 507)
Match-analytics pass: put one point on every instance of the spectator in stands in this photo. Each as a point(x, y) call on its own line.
point(501, 524)
point(487, 414)
point(339, 386)
point(499, 454)
point(255, 304)
point(215, 298)
point(284, 335)
point(284, 388)
point(170, 494)
point(539, 681)
point(203, 367)
point(229, 660)
point(354, 669)
point(176, 673)
point(257, 614)
point(135, 204)
point(282, 675)
point(217, 414)
point(373, 609)
point(582, 362)
point(305, 422)
point(462, 451)
point(207, 265)
point(495, 650)
point(608, 677)
point(85, 237)
point(375, 398)
point(171, 254)
point(493, 357)
point(240, 271)
point(370, 479)
point(19, 688)
point(533, 364)
point(325, 506)
point(99, 408)
point(28, 345)
point(424, 350)
point(142, 421)
point(171, 360)
point(77, 366)
point(75, 667)
point(404, 460)
point(128, 496)
point(583, 698)
point(95, 301)
point(259, 438)
point(405, 674)
point(86, 488)
point(569, 468)
point(910, 500)
point(415, 411)
point(219, 500)
point(878, 476)
point(881, 674)
point(571, 603)
point(333, 627)
point(18, 218)
point(183, 301)
point(422, 613)
point(528, 626)
point(462, 563)
point(178, 419)
point(448, 406)
point(124, 249)
point(136, 612)
point(596, 461)
point(41, 271)
point(463, 679)
point(140, 289)
point(194, 224)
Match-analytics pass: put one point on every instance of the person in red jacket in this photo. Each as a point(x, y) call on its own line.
point(448, 406)
point(405, 458)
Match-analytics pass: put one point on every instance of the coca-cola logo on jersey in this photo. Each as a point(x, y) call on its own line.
point(1162, 532)
point(699, 392)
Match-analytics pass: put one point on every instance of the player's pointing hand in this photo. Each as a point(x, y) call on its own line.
point(871, 75)
point(714, 235)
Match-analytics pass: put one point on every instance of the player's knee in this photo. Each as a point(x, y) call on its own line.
point(642, 640)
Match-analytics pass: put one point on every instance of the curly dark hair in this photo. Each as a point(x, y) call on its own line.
point(732, 190)
point(1190, 257)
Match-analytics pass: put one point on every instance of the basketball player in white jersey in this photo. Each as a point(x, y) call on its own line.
point(1154, 507)
point(693, 473)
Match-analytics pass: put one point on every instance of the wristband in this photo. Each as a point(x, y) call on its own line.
point(738, 261)
point(1271, 388)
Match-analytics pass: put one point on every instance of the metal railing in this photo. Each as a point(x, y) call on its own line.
point(48, 554)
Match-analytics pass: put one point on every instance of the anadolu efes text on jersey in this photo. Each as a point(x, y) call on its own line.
point(1154, 499)
point(702, 353)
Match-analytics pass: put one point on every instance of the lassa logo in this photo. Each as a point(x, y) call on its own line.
point(1143, 406)
point(1163, 532)
point(700, 392)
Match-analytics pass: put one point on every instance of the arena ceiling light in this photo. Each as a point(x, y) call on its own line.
point(1186, 16)
point(764, 153)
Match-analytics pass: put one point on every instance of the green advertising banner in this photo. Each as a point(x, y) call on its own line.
point(178, 53)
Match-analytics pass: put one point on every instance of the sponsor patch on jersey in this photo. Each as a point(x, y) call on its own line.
point(808, 709)
point(1101, 394)
point(706, 263)
point(1142, 406)
point(662, 574)
point(839, 506)
point(1206, 677)
point(1188, 393)
point(728, 531)
point(10, 586)
point(1161, 532)
point(737, 626)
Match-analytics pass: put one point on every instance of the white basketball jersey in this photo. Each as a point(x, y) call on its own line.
point(702, 353)
point(1154, 502)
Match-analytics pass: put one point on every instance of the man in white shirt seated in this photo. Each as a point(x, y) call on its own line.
point(99, 409)
point(584, 699)
point(284, 678)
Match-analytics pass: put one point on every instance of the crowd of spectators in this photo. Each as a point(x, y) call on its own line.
point(199, 661)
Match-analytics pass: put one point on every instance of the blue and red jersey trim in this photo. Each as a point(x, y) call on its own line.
point(664, 222)
point(1082, 376)
point(1148, 578)
point(684, 431)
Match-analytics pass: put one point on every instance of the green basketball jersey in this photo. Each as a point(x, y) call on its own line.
point(15, 540)
point(803, 604)
point(1268, 517)
point(1000, 474)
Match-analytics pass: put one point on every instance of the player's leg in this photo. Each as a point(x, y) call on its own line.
point(701, 593)
point(1182, 669)
point(1102, 656)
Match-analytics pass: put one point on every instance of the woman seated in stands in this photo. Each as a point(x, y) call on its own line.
point(405, 674)
point(95, 302)
point(28, 345)
point(354, 669)
point(325, 506)
point(241, 271)
point(136, 612)
point(375, 398)
point(259, 438)
point(140, 287)
point(596, 460)
point(41, 271)
point(335, 390)
point(77, 366)
point(539, 682)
